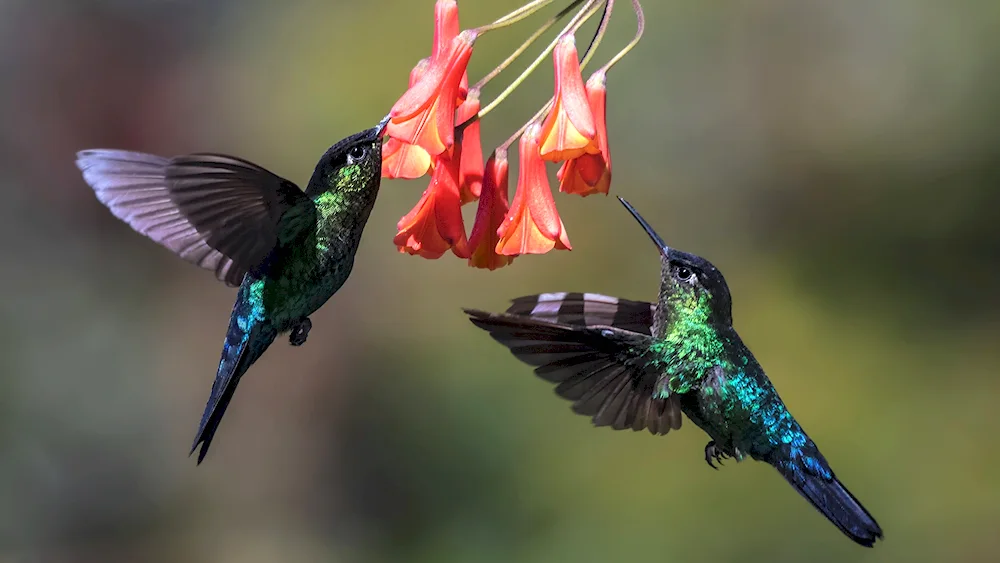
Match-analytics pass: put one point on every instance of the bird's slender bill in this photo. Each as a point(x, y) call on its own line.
point(664, 249)
point(380, 128)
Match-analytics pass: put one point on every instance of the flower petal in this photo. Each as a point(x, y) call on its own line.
point(417, 232)
point(403, 160)
point(446, 28)
point(584, 175)
point(435, 224)
point(470, 172)
point(597, 95)
point(490, 215)
point(418, 71)
point(569, 130)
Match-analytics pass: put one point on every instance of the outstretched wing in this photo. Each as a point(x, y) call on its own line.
point(598, 368)
point(586, 309)
point(219, 212)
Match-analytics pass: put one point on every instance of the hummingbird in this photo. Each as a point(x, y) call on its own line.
point(287, 249)
point(639, 365)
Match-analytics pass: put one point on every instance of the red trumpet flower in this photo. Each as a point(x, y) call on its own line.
point(434, 127)
point(425, 114)
point(435, 224)
point(569, 130)
point(533, 225)
point(591, 173)
point(490, 216)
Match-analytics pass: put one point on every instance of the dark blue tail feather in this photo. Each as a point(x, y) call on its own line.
point(241, 349)
point(832, 498)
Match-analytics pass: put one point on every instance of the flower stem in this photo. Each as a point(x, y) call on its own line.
point(527, 43)
point(585, 13)
point(517, 15)
point(640, 26)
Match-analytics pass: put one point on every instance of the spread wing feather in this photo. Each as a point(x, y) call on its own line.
point(597, 368)
point(220, 212)
point(586, 309)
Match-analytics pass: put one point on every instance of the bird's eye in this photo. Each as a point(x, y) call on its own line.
point(683, 273)
point(357, 153)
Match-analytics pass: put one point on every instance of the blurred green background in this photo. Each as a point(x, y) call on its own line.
point(839, 161)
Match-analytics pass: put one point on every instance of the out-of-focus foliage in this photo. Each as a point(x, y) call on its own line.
point(839, 161)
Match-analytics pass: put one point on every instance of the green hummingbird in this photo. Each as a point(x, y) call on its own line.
point(632, 364)
point(289, 250)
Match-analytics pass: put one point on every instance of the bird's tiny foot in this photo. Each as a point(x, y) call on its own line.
point(300, 331)
point(713, 452)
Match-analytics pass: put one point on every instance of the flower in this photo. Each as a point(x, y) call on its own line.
point(403, 160)
point(569, 129)
point(533, 225)
point(425, 114)
point(490, 215)
point(589, 174)
point(470, 171)
point(434, 127)
point(435, 224)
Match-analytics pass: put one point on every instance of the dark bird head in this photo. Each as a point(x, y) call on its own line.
point(353, 164)
point(689, 284)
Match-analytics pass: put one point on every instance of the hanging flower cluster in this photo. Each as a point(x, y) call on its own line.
point(434, 129)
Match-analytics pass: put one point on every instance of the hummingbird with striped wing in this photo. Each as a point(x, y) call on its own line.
point(632, 364)
point(287, 249)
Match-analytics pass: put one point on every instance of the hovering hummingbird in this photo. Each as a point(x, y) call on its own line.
point(630, 364)
point(288, 250)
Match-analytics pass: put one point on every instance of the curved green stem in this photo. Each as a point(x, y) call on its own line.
point(527, 43)
point(517, 15)
point(640, 27)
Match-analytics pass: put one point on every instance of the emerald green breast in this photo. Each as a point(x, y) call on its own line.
point(305, 271)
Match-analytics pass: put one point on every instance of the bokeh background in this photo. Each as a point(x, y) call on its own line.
point(839, 161)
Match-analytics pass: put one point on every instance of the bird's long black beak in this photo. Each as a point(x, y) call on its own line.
point(380, 128)
point(664, 249)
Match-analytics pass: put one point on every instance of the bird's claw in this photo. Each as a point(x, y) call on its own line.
point(300, 331)
point(713, 452)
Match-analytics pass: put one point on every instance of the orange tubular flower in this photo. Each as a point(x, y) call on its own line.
point(425, 114)
point(403, 160)
point(490, 215)
point(591, 173)
point(533, 225)
point(470, 172)
point(569, 130)
point(435, 224)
